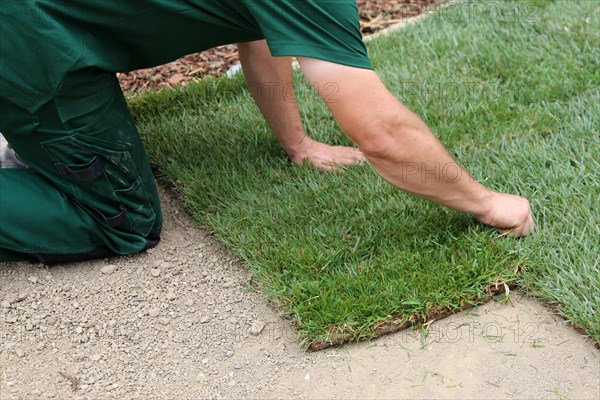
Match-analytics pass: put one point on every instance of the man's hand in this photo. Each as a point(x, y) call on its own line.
point(510, 214)
point(272, 80)
point(325, 157)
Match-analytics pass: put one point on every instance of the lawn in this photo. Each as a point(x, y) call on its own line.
point(512, 89)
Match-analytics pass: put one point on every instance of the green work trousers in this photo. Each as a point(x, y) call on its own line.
point(90, 192)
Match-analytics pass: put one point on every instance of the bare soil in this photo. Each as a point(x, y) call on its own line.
point(184, 321)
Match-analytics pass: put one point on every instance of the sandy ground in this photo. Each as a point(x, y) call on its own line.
point(183, 322)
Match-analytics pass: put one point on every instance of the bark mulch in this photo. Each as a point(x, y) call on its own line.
point(375, 15)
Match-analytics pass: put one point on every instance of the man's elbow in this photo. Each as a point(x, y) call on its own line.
point(382, 140)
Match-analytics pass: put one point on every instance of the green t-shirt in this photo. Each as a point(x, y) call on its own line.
point(41, 41)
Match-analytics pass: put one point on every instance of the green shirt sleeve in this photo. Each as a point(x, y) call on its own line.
point(325, 29)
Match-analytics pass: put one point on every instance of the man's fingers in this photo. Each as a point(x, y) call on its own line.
point(515, 232)
point(527, 228)
point(521, 231)
point(508, 232)
point(349, 156)
point(356, 155)
point(327, 167)
point(530, 225)
point(332, 158)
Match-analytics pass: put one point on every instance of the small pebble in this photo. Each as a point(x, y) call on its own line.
point(155, 272)
point(171, 295)
point(5, 304)
point(257, 327)
point(154, 312)
point(20, 297)
point(164, 321)
point(33, 279)
point(109, 269)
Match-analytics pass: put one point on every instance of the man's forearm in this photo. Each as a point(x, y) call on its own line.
point(270, 80)
point(410, 157)
point(399, 146)
point(403, 150)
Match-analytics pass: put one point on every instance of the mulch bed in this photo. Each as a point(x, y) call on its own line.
point(375, 15)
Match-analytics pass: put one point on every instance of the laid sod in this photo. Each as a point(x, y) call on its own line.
point(513, 90)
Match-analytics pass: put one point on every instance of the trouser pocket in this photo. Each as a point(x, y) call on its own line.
point(102, 176)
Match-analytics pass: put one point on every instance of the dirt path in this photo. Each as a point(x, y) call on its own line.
point(180, 322)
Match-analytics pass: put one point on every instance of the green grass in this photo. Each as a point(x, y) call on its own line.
point(515, 97)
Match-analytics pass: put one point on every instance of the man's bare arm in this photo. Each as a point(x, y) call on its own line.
point(402, 149)
point(271, 82)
